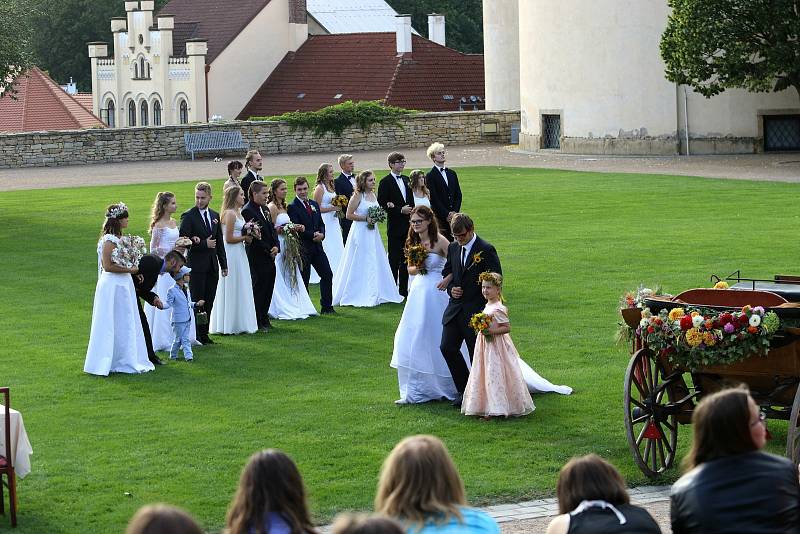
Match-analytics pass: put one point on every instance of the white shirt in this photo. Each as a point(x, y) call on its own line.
point(468, 248)
point(206, 216)
point(399, 181)
point(443, 171)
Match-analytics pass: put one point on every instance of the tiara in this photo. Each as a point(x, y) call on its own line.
point(116, 210)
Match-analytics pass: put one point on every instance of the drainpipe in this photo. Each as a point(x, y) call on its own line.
point(686, 117)
point(208, 68)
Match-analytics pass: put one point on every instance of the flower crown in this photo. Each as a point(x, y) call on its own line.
point(493, 278)
point(116, 210)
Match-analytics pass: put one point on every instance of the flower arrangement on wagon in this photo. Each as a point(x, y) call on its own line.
point(698, 336)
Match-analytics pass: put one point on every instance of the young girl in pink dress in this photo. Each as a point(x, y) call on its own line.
point(496, 385)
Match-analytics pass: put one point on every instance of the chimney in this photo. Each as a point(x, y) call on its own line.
point(403, 25)
point(436, 28)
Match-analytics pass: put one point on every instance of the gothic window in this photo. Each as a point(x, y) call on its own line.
point(141, 68)
point(131, 113)
point(135, 71)
point(183, 116)
point(156, 113)
point(143, 108)
point(112, 114)
point(148, 70)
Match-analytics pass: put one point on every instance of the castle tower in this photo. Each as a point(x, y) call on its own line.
point(501, 53)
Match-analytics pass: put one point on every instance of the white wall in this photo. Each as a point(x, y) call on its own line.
point(501, 53)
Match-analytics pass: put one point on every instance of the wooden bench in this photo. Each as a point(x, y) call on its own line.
point(214, 142)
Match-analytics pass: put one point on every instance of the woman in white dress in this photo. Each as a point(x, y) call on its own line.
point(163, 235)
point(422, 195)
point(333, 244)
point(364, 277)
point(234, 311)
point(116, 341)
point(290, 298)
point(422, 372)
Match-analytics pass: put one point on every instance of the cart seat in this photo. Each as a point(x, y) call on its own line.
point(784, 286)
point(734, 297)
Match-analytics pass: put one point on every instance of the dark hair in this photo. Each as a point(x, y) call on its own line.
point(361, 181)
point(433, 227)
point(394, 157)
point(255, 187)
point(273, 186)
point(174, 255)
point(720, 427)
point(233, 165)
point(111, 225)
point(300, 180)
point(364, 524)
point(162, 519)
point(589, 478)
point(461, 222)
point(270, 482)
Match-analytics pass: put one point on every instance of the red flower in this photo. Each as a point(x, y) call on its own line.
point(686, 322)
point(650, 329)
point(744, 320)
point(657, 321)
point(725, 318)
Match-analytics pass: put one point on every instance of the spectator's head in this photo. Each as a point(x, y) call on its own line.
point(365, 182)
point(725, 423)
point(163, 204)
point(325, 175)
point(162, 519)
point(589, 478)
point(234, 169)
point(116, 219)
point(462, 227)
point(202, 195)
point(364, 524)
point(270, 482)
point(346, 163)
point(437, 153)
point(253, 160)
point(419, 481)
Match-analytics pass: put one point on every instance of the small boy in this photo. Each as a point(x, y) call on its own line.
point(178, 300)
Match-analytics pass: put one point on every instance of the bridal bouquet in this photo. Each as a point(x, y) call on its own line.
point(129, 251)
point(340, 201)
point(377, 214)
point(183, 242)
point(252, 228)
point(480, 322)
point(292, 255)
point(415, 256)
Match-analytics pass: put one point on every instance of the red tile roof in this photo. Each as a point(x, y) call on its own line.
point(218, 22)
point(40, 105)
point(84, 99)
point(365, 66)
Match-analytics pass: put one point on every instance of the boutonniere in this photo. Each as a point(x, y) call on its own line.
point(477, 257)
point(214, 221)
point(313, 208)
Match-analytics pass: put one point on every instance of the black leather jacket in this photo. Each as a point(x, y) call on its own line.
point(749, 493)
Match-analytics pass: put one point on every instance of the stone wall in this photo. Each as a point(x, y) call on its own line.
point(166, 142)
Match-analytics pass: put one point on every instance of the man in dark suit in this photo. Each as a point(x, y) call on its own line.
point(261, 252)
point(150, 266)
point(207, 255)
point(344, 184)
point(253, 164)
point(306, 212)
point(395, 196)
point(467, 257)
point(445, 191)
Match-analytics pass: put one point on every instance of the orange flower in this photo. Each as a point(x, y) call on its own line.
point(752, 329)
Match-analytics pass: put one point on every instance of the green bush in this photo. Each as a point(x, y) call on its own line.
point(336, 118)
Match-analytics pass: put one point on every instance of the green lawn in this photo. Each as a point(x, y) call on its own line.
point(322, 389)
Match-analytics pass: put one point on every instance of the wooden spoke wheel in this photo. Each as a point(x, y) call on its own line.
point(793, 430)
point(650, 422)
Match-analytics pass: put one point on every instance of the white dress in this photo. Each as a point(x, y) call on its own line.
point(234, 311)
point(116, 341)
point(333, 244)
point(363, 277)
point(421, 201)
point(163, 241)
point(422, 372)
point(287, 303)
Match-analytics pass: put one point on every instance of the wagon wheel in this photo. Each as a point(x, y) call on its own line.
point(793, 430)
point(650, 423)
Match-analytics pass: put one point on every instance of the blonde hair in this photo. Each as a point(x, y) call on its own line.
point(160, 207)
point(229, 198)
point(361, 181)
point(322, 173)
point(250, 155)
point(414, 179)
point(343, 158)
point(433, 149)
point(203, 186)
point(496, 279)
point(419, 481)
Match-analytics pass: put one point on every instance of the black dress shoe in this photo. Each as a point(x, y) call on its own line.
point(206, 341)
point(156, 360)
point(264, 328)
point(328, 311)
point(457, 402)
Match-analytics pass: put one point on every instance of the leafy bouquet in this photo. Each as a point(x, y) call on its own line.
point(377, 214)
point(129, 251)
point(480, 322)
point(252, 228)
point(292, 255)
point(340, 201)
point(415, 256)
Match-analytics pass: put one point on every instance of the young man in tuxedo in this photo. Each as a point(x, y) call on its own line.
point(467, 257)
point(150, 266)
point(445, 191)
point(306, 212)
point(261, 252)
point(344, 184)
point(395, 196)
point(253, 164)
point(207, 256)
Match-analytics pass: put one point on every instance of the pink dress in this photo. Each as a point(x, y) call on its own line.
point(496, 385)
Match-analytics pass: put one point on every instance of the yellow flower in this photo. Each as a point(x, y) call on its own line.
point(675, 314)
point(694, 337)
point(695, 314)
point(722, 284)
point(477, 258)
point(709, 339)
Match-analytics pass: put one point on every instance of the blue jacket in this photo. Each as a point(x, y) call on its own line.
point(181, 306)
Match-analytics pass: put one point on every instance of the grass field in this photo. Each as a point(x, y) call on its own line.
point(321, 389)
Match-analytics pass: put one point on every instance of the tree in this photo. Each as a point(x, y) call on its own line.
point(463, 20)
point(15, 48)
point(713, 45)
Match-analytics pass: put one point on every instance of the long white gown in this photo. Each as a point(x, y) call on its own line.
point(116, 341)
point(364, 277)
point(333, 244)
point(286, 302)
point(161, 242)
point(234, 311)
point(422, 372)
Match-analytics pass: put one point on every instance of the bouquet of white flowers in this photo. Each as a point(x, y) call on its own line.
point(129, 251)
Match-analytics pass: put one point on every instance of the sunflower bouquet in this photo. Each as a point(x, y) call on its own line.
point(377, 214)
point(129, 251)
point(340, 201)
point(480, 322)
point(415, 256)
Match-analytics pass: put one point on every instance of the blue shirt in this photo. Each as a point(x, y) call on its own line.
point(473, 522)
point(181, 307)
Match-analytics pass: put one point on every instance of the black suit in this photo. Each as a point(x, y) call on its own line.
point(482, 257)
point(445, 197)
point(313, 253)
point(150, 266)
point(205, 262)
point(396, 226)
point(249, 177)
point(342, 186)
point(262, 264)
